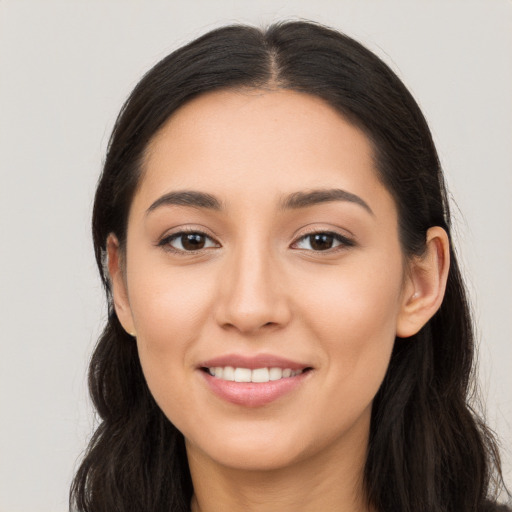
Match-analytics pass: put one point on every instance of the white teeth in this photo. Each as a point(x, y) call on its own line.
point(243, 375)
point(229, 373)
point(260, 375)
point(248, 375)
point(275, 373)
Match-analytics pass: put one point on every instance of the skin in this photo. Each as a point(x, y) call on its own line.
point(259, 286)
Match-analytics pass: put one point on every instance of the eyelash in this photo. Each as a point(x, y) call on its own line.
point(166, 242)
point(343, 241)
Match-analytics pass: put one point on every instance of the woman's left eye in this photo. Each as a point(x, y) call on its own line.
point(188, 241)
point(322, 241)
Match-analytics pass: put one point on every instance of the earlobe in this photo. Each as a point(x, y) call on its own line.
point(424, 290)
point(118, 284)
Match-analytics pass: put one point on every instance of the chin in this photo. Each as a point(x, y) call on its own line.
point(249, 456)
point(275, 445)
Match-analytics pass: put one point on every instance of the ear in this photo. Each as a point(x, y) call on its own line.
point(118, 283)
point(425, 284)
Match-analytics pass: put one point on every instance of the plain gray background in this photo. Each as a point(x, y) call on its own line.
point(65, 69)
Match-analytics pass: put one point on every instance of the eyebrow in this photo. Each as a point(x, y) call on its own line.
point(312, 197)
point(293, 201)
point(187, 198)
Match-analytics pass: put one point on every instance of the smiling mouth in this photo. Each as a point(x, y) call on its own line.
point(257, 375)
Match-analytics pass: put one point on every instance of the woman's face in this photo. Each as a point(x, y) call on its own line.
point(261, 245)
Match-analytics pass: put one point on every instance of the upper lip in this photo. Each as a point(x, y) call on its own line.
point(253, 362)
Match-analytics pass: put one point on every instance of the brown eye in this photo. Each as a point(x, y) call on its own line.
point(323, 241)
point(192, 241)
point(188, 241)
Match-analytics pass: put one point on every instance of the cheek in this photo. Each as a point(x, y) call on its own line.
point(168, 305)
point(354, 313)
point(170, 308)
point(362, 295)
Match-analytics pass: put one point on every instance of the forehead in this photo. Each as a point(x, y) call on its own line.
point(266, 142)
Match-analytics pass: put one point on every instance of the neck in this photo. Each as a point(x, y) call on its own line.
point(329, 481)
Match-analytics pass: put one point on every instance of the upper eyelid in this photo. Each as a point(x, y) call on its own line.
point(343, 239)
point(314, 227)
point(165, 242)
point(172, 236)
point(321, 231)
point(181, 230)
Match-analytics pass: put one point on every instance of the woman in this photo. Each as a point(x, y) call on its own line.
point(288, 327)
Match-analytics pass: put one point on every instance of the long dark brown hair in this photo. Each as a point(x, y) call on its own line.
point(429, 451)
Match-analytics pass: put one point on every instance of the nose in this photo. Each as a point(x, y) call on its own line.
point(253, 294)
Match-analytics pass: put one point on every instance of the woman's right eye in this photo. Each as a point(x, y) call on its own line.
point(188, 241)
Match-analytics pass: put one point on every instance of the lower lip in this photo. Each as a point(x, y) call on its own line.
point(253, 394)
